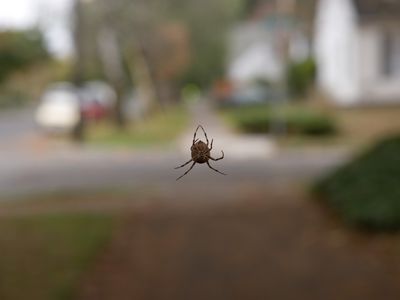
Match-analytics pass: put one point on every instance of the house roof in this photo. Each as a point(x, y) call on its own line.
point(378, 9)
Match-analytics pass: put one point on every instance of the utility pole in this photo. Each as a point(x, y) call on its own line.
point(79, 43)
point(284, 9)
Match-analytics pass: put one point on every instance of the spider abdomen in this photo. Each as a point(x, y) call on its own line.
point(200, 152)
point(200, 159)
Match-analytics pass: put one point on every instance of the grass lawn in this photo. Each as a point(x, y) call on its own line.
point(160, 129)
point(364, 125)
point(44, 256)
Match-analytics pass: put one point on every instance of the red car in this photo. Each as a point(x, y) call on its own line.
point(97, 100)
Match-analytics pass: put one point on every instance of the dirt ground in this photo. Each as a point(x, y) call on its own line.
point(263, 243)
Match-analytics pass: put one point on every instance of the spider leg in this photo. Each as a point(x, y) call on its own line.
point(205, 134)
point(191, 167)
point(212, 140)
point(194, 136)
point(214, 169)
point(215, 159)
point(183, 164)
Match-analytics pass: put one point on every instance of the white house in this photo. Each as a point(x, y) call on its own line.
point(261, 46)
point(357, 48)
point(257, 50)
point(253, 54)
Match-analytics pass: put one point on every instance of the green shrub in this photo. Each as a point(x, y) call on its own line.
point(19, 49)
point(300, 77)
point(366, 191)
point(297, 120)
point(310, 123)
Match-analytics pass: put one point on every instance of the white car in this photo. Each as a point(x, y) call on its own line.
point(59, 109)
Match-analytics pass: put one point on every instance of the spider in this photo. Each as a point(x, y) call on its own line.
point(200, 153)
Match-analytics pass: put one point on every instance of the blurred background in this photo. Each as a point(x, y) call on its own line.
point(99, 101)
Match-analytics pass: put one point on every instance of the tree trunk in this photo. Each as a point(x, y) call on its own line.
point(112, 60)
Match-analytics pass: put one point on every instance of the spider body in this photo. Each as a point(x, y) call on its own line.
point(201, 153)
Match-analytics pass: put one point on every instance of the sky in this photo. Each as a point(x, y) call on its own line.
point(53, 16)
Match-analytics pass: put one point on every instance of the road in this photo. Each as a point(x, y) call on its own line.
point(30, 164)
point(87, 169)
point(15, 124)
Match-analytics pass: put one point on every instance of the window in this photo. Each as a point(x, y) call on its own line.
point(391, 54)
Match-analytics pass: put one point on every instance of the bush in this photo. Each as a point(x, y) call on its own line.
point(300, 77)
point(296, 120)
point(19, 49)
point(310, 123)
point(366, 192)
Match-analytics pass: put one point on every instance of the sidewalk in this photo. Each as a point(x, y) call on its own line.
point(234, 145)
